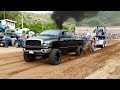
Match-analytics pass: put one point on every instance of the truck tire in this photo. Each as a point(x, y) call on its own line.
point(104, 45)
point(55, 57)
point(79, 51)
point(29, 57)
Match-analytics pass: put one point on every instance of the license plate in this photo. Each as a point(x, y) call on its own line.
point(31, 52)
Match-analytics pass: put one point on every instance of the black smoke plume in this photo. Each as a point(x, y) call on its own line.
point(61, 16)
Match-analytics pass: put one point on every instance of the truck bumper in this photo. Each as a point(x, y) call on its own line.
point(41, 52)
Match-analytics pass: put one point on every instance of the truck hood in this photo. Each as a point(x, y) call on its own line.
point(44, 38)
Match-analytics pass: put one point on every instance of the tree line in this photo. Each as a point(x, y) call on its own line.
point(34, 26)
point(107, 18)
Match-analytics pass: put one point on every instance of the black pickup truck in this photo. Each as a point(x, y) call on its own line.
point(51, 44)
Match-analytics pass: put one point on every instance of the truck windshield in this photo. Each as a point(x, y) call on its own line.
point(50, 33)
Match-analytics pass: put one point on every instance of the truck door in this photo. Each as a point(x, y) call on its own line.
point(69, 39)
point(63, 41)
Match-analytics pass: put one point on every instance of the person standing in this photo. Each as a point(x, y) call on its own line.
point(7, 40)
point(13, 39)
point(22, 40)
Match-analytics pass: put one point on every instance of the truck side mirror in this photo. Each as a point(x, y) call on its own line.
point(61, 36)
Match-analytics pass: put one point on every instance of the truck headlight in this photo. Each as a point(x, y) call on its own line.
point(46, 44)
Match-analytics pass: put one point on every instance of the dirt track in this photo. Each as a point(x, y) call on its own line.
point(103, 63)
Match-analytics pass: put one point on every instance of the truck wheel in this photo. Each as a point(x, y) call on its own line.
point(102, 46)
point(105, 45)
point(79, 50)
point(55, 57)
point(28, 57)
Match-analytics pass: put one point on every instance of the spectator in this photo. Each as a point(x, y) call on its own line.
point(17, 41)
point(13, 39)
point(27, 36)
point(103, 33)
point(84, 38)
point(7, 40)
point(22, 40)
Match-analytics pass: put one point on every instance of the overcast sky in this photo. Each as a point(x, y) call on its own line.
point(38, 12)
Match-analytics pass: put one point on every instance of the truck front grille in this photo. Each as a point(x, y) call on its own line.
point(33, 43)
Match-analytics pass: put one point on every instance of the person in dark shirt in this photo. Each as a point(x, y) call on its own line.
point(103, 33)
point(7, 40)
point(84, 38)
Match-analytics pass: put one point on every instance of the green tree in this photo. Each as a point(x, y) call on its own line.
point(9, 15)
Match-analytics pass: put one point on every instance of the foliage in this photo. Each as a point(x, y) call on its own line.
point(107, 18)
point(9, 15)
